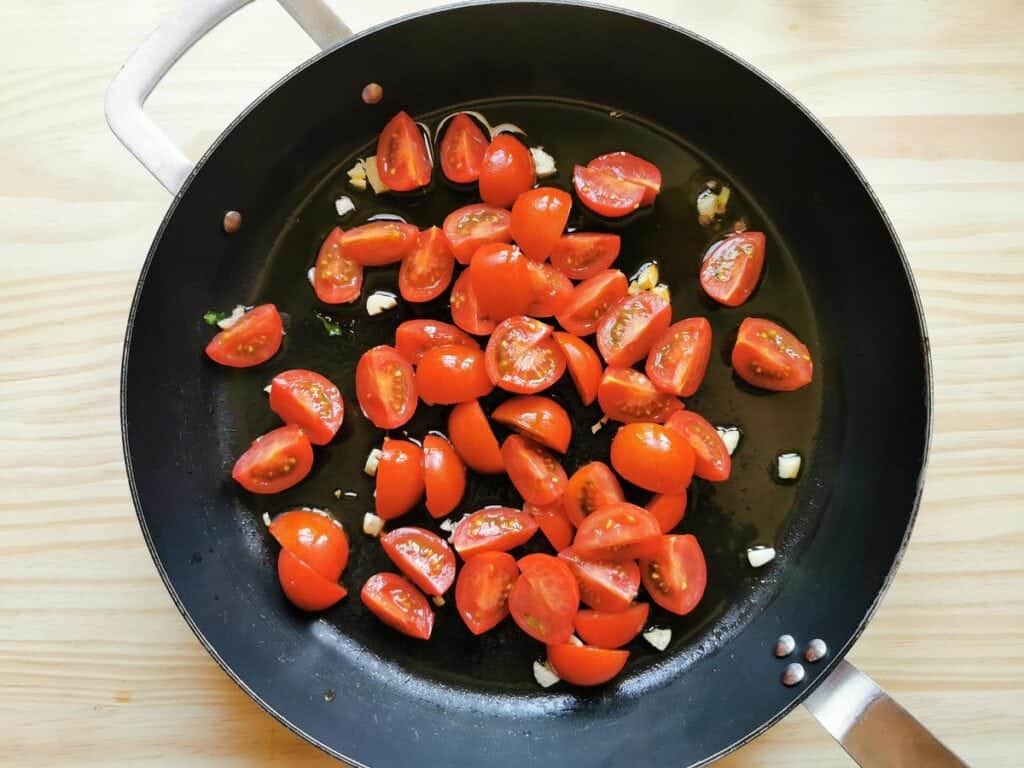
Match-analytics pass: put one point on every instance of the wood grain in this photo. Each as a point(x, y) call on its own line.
point(96, 666)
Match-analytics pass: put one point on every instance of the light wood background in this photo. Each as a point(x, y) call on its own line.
point(96, 666)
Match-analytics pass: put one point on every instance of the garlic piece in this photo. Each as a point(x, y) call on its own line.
point(370, 168)
point(599, 425)
point(234, 317)
point(344, 205)
point(789, 465)
point(267, 388)
point(573, 640)
point(758, 556)
point(711, 204)
point(380, 301)
point(730, 436)
point(645, 279)
point(266, 519)
point(372, 460)
point(543, 163)
point(659, 637)
point(311, 276)
point(544, 674)
point(662, 290)
point(372, 525)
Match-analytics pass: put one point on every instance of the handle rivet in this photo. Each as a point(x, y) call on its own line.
point(793, 675)
point(372, 93)
point(815, 650)
point(784, 646)
point(232, 222)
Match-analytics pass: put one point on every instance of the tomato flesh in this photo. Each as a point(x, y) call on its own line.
point(275, 461)
point(253, 339)
point(605, 585)
point(581, 255)
point(768, 356)
point(501, 281)
point(303, 586)
point(314, 537)
point(586, 665)
point(403, 162)
point(422, 556)
point(379, 243)
point(522, 356)
point(427, 271)
point(668, 509)
point(654, 457)
point(466, 311)
point(583, 363)
point(449, 375)
point(591, 487)
point(398, 604)
point(506, 172)
point(539, 418)
point(626, 332)
point(535, 473)
point(462, 150)
point(606, 194)
point(611, 630)
point(538, 218)
point(675, 575)
point(633, 169)
point(308, 400)
point(385, 387)
point(444, 476)
point(481, 592)
point(400, 482)
point(591, 299)
point(712, 460)
point(474, 440)
point(545, 598)
point(414, 337)
point(679, 358)
point(492, 529)
point(336, 279)
point(626, 395)
point(553, 523)
point(551, 291)
point(620, 531)
point(732, 267)
point(471, 226)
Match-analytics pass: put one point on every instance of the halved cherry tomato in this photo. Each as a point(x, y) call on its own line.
point(444, 476)
point(492, 529)
point(675, 575)
point(534, 472)
point(654, 457)
point(507, 171)
point(605, 585)
point(308, 400)
point(668, 509)
point(303, 586)
point(768, 356)
point(422, 556)
point(591, 487)
point(466, 311)
point(626, 395)
point(414, 337)
point(522, 357)
point(275, 461)
point(553, 523)
point(551, 290)
point(584, 254)
point(679, 358)
point(481, 593)
point(336, 279)
point(474, 440)
point(500, 280)
point(427, 272)
point(539, 418)
point(731, 268)
point(385, 387)
point(591, 299)
point(471, 226)
point(605, 193)
point(314, 537)
point(379, 242)
point(586, 665)
point(449, 375)
point(584, 365)
point(398, 604)
point(253, 339)
point(611, 630)
point(538, 218)
point(631, 168)
point(399, 478)
point(712, 460)
point(403, 162)
point(462, 150)
point(630, 326)
point(621, 531)
point(545, 598)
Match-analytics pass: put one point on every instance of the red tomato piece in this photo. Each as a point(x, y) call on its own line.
point(492, 529)
point(379, 243)
point(712, 461)
point(630, 327)
point(539, 418)
point(403, 162)
point(314, 537)
point(466, 311)
point(398, 604)
point(253, 339)
point(591, 487)
point(414, 337)
point(472, 226)
point(535, 473)
point(582, 255)
point(654, 457)
point(400, 482)
point(308, 400)
point(501, 281)
point(538, 218)
point(605, 585)
point(605, 193)
point(668, 509)
point(462, 150)
point(586, 665)
point(275, 461)
point(506, 172)
point(591, 299)
point(481, 592)
point(768, 356)
point(427, 272)
point(303, 586)
point(422, 556)
point(626, 395)
point(444, 476)
point(620, 531)
point(583, 363)
point(675, 575)
point(522, 356)
point(551, 291)
point(474, 440)
point(679, 358)
point(545, 598)
point(385, 387)
point(611, 630)
point(553, 524)
point(336, 279)
point(449, 375)
point(731, 268)
point(631, 168)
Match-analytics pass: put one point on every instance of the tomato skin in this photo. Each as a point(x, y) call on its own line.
point(676, 574)
point(522, 357)
point(626, 395)
point(403, 162)
point(679, 358)
point(501, 281)
point(385, 387)
point(732, 268)
point(581, 255)
point(712, 460)
point(506, 172)
point(336, 280)
point(627, 330)
point(583, 363)
point(492, 529)
point(611, 630)
point(605, 585)
point(591, 487)
point(449, 375)
point(539, 418)
point(668, 510)
point(400, 483)
point(462, 150)
point(553, 524)
point(308, 400)
point(768, 356)
point(315, 538)
point(591, 299)
point(551, 291)
point(275, 461)
point(631, 168)
point(414, 337)
point(253, 340)
point(398, 604)
point(303, 586)
point(621, 531)
point(444, 476)
point(466, 311)
point(586, 665)
point(654, 457)
point(427, 271)
point(472, 226)
point(606, 194)
point(535, 473)
point(474, 440)
point(379, 243)
point(481, 592)
point(423, 557)
point(544, 600)
point(538, 218)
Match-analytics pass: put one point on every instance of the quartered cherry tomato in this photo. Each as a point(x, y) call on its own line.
point(466, 311)
point(611, 630)
point(586, 665)
point(414, 337)
point(303, 586)
point(712, 460)
point(427, 271)
point(591, 299)
point(621, 531)
point(492, 529)
point(545, 598)
point(675, 575)
point(768, 356)
point(732, 267)
point(308, 400)
point(399, 478)
point(403, 162)
point(626, 395)
point(462, 150)
point(668, 509)
point(398, 604)
point(582, 255)
point(314, 537)
point(422, 556)
point(275, 461)
point(507, 171)
point(654, 457)
point(630, 327)
point(471, 226)
point(522, 356)
point(501, 281)
point(605, 585)
point(679, 358)
point(553, 523)
point(336, 279)
point(253, 339)
point(539, 418)
point(605, 193)
point(444, 476)
point(538, 218)
point(591, 487)
point(385, 387)
point(379, 242)
point(631, 168)
point(481, 592)
point(449, 375)
point(474, 440)
point(551, 290)
point(583, 363)
point(534, 472)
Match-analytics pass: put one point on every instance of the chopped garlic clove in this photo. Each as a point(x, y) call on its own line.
point(372, 525)
point(447, 525)
point(758, 556)
point(662, 290)
point(645, 279)
point(573, 640)
point(597, 427)
point(789, 465)
point(344, 205)
point(711, 204)
point(359, 184)
point(266, 519)
point(438, 601)
point(380, 301)
point(659, 637)
point(370, 167)
point(544, 674)
point(234, 317)
point(370, 467)
point(543, 163)
point(311, 276)
point(337, 493)
point(267, 388)
point(730, 436)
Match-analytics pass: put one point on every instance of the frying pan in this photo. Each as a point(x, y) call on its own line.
point(836, 276)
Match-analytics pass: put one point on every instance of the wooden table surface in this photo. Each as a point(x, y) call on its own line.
point(96, 666)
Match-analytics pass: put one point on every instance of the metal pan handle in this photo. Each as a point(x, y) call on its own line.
point(874, 730)
point(159, 52)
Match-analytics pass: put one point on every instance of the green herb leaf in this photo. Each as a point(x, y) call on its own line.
point(213, 317)
point(332, 326)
